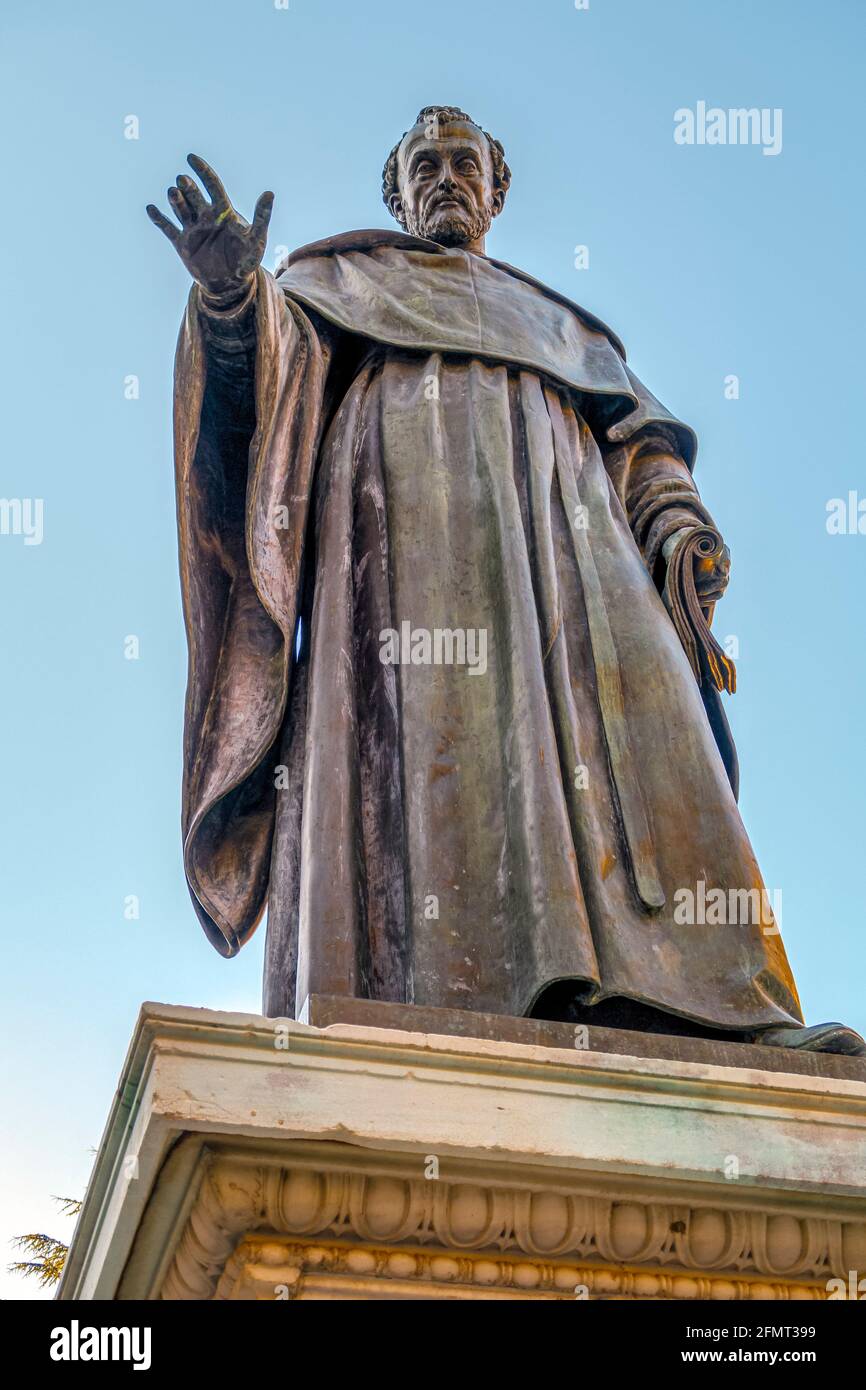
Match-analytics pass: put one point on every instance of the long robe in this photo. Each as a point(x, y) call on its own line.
point(395, 438)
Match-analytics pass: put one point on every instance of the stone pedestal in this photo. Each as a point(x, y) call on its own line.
point(383, 1152)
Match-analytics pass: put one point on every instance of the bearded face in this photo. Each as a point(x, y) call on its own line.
point(446, 182)
point(452, 224)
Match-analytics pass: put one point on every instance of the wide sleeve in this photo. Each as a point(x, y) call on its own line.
point(248, 395)
point(649, 456)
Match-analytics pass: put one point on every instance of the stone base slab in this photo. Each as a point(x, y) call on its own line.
point(323, 1010)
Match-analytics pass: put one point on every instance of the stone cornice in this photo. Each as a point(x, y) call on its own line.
point(480, 1233)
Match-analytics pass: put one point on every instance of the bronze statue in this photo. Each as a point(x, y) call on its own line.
point(453, 710)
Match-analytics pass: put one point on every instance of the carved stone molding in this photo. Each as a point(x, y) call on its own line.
point(270, 1268)
point(474, 1234)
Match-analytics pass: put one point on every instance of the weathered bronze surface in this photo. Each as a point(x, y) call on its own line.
point(398, 436)
point(328, 1011)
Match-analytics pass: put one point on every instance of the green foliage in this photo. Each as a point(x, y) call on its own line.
point(47, 1255)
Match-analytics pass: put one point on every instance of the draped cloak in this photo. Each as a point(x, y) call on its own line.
point(393, 436)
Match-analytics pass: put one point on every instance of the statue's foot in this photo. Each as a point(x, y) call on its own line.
point(822, 1037)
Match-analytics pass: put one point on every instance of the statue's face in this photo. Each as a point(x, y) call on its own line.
point(446, 185)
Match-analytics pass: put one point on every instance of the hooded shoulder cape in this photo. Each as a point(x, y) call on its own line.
point(411, 293)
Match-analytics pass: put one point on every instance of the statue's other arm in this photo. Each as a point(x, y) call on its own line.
point(676, 535)
point(663, 506)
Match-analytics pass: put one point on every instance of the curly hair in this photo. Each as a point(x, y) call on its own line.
point(501, 171)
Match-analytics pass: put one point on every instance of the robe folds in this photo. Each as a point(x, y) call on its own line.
point(438, 718)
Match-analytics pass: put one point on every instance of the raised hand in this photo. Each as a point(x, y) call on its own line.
point(219, 248)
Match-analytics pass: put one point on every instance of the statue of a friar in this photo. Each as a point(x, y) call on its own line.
point(453, 711)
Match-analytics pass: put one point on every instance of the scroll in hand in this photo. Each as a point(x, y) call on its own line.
point(692, 619)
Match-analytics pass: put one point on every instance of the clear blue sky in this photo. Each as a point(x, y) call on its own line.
point(706, 260)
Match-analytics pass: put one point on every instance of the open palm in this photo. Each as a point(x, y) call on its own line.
point(219, 248)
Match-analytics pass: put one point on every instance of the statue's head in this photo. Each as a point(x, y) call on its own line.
point(446, 179)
